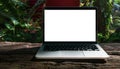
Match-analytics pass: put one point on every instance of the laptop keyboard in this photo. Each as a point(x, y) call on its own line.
point(80, 47)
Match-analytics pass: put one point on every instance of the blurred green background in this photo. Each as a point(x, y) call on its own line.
point(18, 20)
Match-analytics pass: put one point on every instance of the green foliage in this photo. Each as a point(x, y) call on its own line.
point(115, 37)
point(14, 21)
point(116, 22)
point(105, 9)
point(117, 1)
point(107, 16)
point(101, 38)
point(22, 36)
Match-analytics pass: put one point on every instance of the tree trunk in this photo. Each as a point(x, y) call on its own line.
point(104, 16)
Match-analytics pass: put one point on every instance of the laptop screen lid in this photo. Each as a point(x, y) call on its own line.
point(69, 24)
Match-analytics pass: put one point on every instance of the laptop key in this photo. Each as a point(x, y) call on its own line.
point(79, 47)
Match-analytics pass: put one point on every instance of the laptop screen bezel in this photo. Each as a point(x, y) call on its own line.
point(68, 8)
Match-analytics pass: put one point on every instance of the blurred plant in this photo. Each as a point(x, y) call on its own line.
point(114, 37)
point(86, 3)
point(15, 20)
point(117, 1)
point(104, 16)
point(116, 22)
point(101, 37)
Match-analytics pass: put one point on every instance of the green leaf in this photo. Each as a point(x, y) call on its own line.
point(14, 21)
point(2, 33)
point(26, 25)
point(9, 26)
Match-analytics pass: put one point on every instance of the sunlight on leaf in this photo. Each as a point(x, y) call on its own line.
point(15, 22)
point(2, 33)
point(6, 10)
point(1, 4)
point(9, 26)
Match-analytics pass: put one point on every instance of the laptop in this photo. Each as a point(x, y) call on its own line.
point(70, 33)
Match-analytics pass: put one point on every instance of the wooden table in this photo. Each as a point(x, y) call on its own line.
point(20, 55)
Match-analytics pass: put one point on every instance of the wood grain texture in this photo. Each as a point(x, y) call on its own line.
point(20, 55)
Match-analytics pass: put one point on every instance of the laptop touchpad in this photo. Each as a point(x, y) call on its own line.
point(72, 54)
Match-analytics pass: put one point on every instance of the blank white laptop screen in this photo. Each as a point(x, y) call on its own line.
point(70, 25)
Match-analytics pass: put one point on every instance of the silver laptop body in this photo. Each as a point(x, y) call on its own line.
point(70, 33)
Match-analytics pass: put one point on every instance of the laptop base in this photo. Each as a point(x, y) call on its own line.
point(101, 54)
